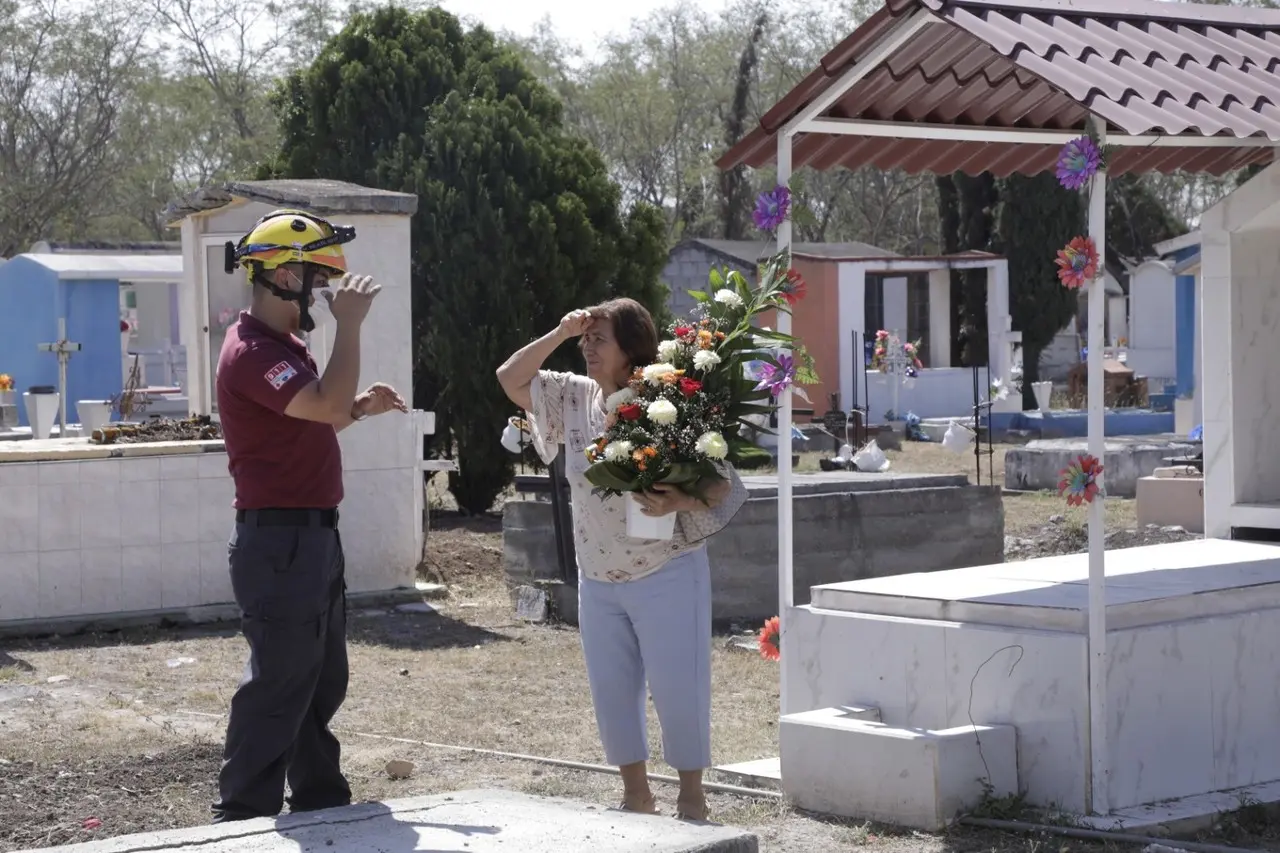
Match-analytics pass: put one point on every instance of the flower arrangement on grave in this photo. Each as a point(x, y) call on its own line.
point(1079, 480)
point(770, 639)
point(886, 343)
point(1001, 390)
point(679, 417)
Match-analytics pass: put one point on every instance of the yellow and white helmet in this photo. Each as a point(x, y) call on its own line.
point(291, 237)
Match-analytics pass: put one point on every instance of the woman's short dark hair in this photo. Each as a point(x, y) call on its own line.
point(633, 329)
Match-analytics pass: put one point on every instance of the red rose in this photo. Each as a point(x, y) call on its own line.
point(630, 412)
point(682, 331)
point(689, 387)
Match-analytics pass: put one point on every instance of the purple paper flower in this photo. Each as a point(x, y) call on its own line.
point(1079, 160)
point(772, 208)
point(776, 379)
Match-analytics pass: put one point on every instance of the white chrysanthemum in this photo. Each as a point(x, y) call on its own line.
point(653, 373)
point(662, 412)
point(713, 445)
point(725, 296)
point(619, 398)
point(668, 350)
point(617, 451)
point(705, 359)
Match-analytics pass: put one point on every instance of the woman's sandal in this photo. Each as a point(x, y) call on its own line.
point(692, 811)
point(642, 806)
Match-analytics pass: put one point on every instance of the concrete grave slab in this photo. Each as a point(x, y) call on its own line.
point(480, 821)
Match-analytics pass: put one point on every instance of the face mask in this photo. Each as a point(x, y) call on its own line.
point(320, 312)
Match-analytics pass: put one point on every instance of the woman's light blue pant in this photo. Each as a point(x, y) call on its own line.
point(658, 626)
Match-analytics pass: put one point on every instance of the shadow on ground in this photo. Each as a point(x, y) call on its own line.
point(419, 632)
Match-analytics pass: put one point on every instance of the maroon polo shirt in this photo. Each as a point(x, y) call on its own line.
point(276, 461)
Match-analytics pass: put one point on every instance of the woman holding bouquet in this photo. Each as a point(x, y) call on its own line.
point(644, 605)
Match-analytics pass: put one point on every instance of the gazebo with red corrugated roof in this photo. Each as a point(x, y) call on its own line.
point(1000, 86)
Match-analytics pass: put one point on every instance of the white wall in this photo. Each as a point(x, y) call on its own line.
point(1152, 323)
point(936, 393)
point(1239, 296)
point(381, 515)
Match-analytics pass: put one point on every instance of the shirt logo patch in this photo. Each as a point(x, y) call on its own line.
point(280, 374)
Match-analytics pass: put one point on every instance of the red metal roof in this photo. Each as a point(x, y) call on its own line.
point(1147, 68)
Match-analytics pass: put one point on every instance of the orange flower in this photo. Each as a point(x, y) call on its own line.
point(771, 639)
point(719, 336)
point(1078, 262)
point(637, 456)
point(649, 452)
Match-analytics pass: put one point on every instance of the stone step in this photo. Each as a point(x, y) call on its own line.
point(483, 821)
point(767, 772)
point(835, 763)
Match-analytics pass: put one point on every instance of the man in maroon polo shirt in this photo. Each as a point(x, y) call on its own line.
point(280, 421)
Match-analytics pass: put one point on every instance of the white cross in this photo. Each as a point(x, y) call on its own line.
point(63, 348)
point(895, 364)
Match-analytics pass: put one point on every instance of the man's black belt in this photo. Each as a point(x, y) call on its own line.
point(288, 517)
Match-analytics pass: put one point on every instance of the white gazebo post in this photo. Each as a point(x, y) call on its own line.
point(1099, 799)
point(786, 587)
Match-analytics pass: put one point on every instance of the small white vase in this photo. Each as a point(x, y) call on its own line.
point(42, 411)
point(94, 414)
point(1044, 393)
point(641, 526)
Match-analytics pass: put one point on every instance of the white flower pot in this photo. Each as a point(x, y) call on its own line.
point(1043, 392)
point(641, 526)
point(94, 414)
point(42, 412)
point(8, 410)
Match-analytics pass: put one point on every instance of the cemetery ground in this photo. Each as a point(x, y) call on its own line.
point(109, 734)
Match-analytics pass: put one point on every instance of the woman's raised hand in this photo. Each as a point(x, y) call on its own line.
point(575, 323)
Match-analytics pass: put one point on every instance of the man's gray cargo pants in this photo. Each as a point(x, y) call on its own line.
point(287, 572)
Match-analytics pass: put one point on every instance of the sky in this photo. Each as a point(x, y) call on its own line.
point(583, 22)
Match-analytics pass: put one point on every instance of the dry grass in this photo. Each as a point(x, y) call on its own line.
point(132, 735)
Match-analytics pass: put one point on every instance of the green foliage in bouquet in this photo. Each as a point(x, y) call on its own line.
point(679, 417)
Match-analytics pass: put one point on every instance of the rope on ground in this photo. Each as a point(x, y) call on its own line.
point(736, 790)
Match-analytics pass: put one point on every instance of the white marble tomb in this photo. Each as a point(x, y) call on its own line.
point(1194, 643)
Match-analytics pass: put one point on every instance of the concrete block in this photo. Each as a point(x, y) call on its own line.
point(475, 821)
point(847, 527)
point(834, 763)
point(1126, 460)
point(1172, 501)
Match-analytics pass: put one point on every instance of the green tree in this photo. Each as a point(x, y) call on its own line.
point(1036, 217)
point(518, 220)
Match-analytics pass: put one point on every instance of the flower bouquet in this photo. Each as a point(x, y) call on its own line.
point(677, 420)
point(885, 343)
point(8, 403)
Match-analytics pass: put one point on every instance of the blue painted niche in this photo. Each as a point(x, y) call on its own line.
point(35, 290)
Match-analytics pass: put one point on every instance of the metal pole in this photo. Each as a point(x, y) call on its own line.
point(786, 591)
point(1100, 802)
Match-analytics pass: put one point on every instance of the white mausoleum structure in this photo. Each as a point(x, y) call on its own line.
point(97, 534)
